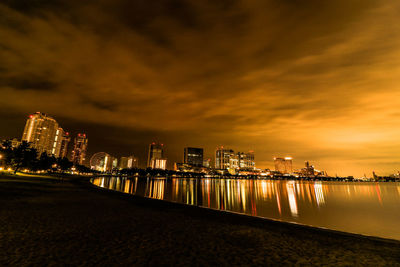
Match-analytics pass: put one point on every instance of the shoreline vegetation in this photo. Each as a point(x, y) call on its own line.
point(47, 220)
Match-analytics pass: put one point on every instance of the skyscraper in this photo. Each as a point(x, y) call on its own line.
point(64, 145)
point(193, 156)
point(61, 143)
point(283, 165)
point(80, 147)
point(42, 132)
point(224, 158)
point(246, 160)
point(156, 158)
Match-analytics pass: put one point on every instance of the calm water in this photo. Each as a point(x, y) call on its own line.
point(365, 208)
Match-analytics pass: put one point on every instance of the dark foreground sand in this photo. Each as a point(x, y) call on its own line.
point(48, 222)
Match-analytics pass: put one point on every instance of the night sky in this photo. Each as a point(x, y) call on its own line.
point(315, 80)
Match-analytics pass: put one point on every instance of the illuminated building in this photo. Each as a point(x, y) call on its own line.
point(42, 132)
point(223, 158)
point(128, 162)
point(80, 147)
point(207, 163)
point(64, 145)
point(246, 160)
point(310, 171)
point(61, 141)
point(193, 156)
point(156, 158)
point(158, 163)
point(283, 165)
point(102, 161)
point(184, 167)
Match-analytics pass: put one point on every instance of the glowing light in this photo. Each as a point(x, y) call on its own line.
point(292, 199)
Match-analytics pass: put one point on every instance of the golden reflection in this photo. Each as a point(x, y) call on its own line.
point(319, 193)
point(155, 188)
point(127, 186)
point(292, 198)
point(326, 204)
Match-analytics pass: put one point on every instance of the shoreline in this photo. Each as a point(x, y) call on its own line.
point(45, 220)
point(247, 216)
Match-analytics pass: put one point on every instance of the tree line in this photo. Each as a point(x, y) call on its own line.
point(24, 156)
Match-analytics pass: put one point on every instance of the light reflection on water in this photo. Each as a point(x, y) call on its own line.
point(364, 208)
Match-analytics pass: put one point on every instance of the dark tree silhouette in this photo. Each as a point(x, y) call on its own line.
point(64, 164)
point(23, 156)
point(46, 161)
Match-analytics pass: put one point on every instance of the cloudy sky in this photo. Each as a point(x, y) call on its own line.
point(315, 80)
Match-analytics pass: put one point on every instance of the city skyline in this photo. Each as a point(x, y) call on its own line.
point(206, 74)
point(224, 157)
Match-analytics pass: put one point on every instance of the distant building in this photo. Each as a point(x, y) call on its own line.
point(310, 171)
point(207, 163)
point(156, 158)
point(103, 162)
point(224, 158)
point(246, 160)
point(64, 145)
point(158, 163)
point(193, 156)
point(42, 132)
point(128, 162)
point(60, 143)
point(184, 167)
point(283, 165)
point(80, 147)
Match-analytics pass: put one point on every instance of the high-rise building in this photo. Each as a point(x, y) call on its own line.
point(80, 147)
point(283, 165)
point(246, 160)
point(224, 158)
point(193, 156)
point(156, 158)
point(42, 132)
point(64, 145)
point(60, 141)
point(128, 162)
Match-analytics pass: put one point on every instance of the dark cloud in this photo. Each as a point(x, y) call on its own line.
point(28, 82)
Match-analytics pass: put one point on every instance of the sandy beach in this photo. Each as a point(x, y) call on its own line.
point(48, 221)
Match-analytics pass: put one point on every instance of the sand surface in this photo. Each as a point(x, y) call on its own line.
point(45, 221)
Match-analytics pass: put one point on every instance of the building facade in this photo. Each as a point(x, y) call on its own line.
point(64, 145)
point(156, 158)
point(80, 147)
point(41, 132)
point(193, 156)
point(246, 160)
point(223, 158)
point(128, 162)
point(283, 165)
